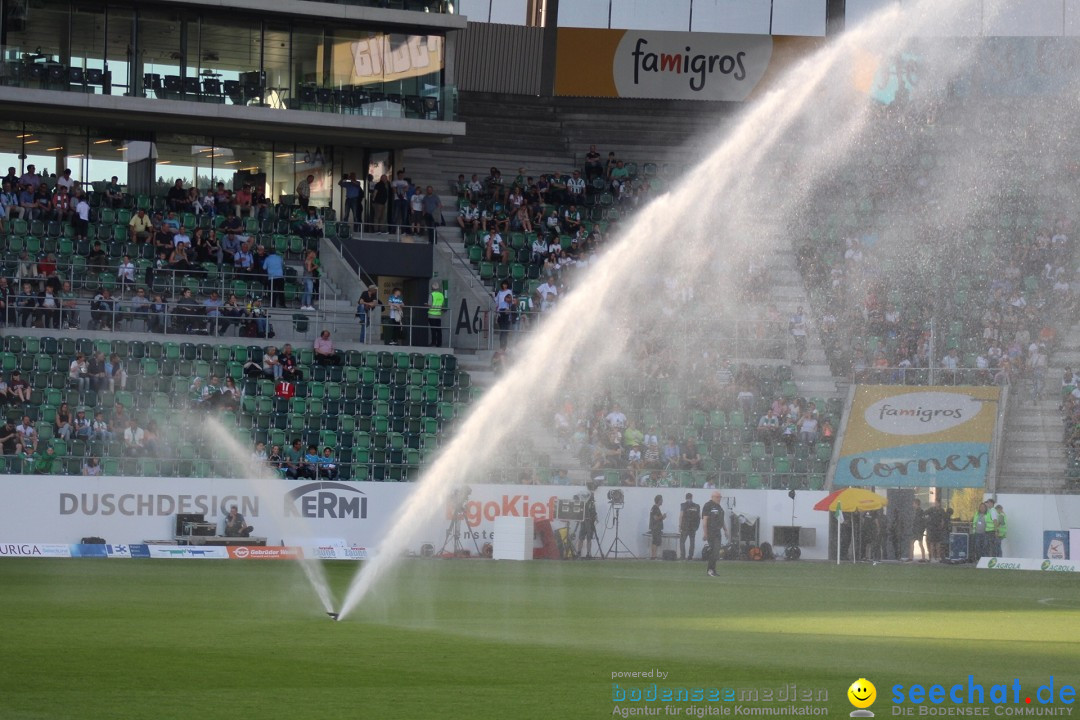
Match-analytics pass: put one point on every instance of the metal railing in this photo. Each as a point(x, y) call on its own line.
point(927, 376)
point(246, 320)
point(47, 71)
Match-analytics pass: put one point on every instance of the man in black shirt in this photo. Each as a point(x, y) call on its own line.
point(235, 525)
point(712, 516)
point(8, 438)
point(656, 525)
point(689, 522)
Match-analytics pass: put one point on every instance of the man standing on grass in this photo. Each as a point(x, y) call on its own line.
point(689, 521)
point(656, 525)
point(712, 515)
point(1001, 527)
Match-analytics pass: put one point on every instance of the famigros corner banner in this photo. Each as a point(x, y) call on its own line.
point(916, 437)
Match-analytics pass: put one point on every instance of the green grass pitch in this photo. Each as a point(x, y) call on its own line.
point(155, 639)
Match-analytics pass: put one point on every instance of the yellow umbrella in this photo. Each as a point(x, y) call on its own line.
point(852, 499)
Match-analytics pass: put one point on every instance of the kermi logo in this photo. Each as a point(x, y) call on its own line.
point(691, 66)
point(326, 500)
point(921, 413)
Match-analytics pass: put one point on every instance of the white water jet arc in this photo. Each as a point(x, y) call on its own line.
point(739, 207)
point(262, 480)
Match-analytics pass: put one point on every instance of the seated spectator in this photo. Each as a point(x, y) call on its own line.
point(113, 195)
point(243, 259)
point(80, 426)
point(312, 225)
point(493, 246)
point(212, 306)
point(575, 189)
point(539, 249)
point(327, 465)
point(691, 457)
point(198, 394)
point(223, 199)
point(44, 461)
point(229, 395)
point(79, 374)
point(134, 439)
point(271, 364)
point(27, 433)
point(27, 304)
point(102, 310)
point(275, 461)
point(157, 314)
point(469, 218)
point(671, 456)
point(290, 369)
point(140, 227)
point(808, 428)
point(177, 197)
point(189, 315)
point(18, 388)
point(62, 427)
point(9, 437)
point(768, 427)
point(324, 350)
point(99, 428)
point(294, 464)
point(474, 189)
point(91, 467)
point(520, 220)
point(125, 272)
point(139, 307)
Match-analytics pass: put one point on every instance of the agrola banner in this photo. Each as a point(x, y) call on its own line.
point(918, 437)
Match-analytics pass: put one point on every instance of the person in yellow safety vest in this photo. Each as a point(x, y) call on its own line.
point(436, 306)
point(1002, 528)
point(982, 527)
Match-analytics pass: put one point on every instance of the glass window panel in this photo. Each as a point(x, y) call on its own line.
point(118, 50)
point(277, 51)
point(227, 51)
point(160, 53)
point(88, 42)
point(104, 158)
point(42, 30)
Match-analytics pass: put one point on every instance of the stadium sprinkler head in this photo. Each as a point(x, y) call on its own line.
point(333, 616)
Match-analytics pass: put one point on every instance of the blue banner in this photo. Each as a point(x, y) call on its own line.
point(81, 550)
point(1055, 544)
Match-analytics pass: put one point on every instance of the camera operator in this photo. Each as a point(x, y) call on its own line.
point(587, 531)
point(236, 525)
point(713, 517)
point(689, 522)
point(656, 525)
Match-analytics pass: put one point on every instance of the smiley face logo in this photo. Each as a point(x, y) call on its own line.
point(862, 693)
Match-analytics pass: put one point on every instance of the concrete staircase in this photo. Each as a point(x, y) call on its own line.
point(545, 135)
point(1034, 457)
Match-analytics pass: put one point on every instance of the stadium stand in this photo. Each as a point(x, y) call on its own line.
point(382, 414)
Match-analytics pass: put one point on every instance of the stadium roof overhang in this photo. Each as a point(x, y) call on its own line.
point(120, 113)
